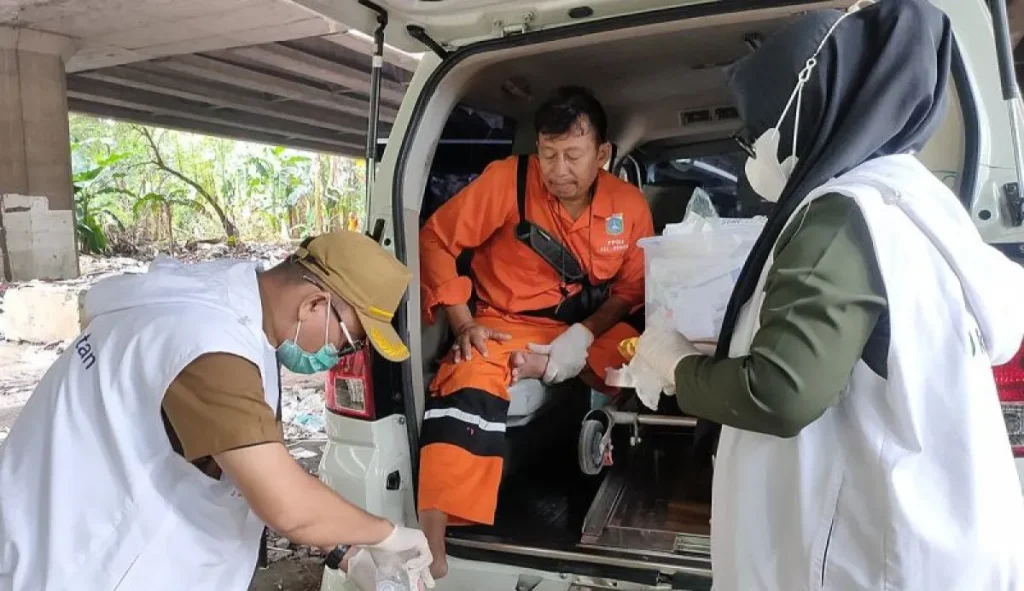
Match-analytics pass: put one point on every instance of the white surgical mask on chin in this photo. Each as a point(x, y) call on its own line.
point(765, 173)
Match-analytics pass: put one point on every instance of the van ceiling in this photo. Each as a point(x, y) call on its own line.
point(647, 81)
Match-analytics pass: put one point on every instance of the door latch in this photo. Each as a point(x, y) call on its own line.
point(1015, 202)
point(515, 28)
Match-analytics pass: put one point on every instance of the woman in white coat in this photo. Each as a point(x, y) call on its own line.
point(863, 444)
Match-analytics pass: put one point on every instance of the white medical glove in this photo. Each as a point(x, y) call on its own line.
point(411, 547)
point(567, 354)
point(661, 348)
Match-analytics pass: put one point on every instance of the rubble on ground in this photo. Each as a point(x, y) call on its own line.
point(23, 366)
point(302, 406)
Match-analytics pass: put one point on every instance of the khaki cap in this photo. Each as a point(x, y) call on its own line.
point(367, 277)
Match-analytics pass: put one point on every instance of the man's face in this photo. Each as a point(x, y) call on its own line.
point(322, 315)
point(570, 162)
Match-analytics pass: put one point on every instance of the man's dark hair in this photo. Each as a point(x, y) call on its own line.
point(561, 113)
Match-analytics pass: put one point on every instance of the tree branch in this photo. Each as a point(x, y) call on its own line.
point(159, 162)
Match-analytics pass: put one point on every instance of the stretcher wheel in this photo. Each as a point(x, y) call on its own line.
point(592, 447)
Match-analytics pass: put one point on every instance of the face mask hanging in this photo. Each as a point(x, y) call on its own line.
point(765, 172)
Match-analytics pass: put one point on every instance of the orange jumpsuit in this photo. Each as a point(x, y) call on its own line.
point(463, 434)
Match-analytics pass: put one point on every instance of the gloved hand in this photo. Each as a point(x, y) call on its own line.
point(567, 354)
point(661, 348)
point(411, 546)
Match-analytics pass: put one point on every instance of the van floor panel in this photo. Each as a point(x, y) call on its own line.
point(655, 499)
point(658, 500)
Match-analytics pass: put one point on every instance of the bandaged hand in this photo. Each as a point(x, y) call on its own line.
point(567, 354)
point(661, 349)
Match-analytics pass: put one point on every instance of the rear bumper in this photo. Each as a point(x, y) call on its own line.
point(471, 574)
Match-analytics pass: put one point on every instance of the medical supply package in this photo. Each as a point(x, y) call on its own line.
point(692, 267)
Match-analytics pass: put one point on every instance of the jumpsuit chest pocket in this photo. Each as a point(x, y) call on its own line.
point(606, 266)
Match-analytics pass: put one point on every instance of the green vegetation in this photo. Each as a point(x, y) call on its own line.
point(137, 185)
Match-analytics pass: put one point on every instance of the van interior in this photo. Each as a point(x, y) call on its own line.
point(671, 122)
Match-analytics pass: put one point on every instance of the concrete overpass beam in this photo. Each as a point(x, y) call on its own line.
point(37, 228)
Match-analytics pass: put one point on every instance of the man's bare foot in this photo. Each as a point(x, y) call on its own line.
point(527, 365)
point(434, 524)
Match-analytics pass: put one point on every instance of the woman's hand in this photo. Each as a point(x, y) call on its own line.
point(661, 349)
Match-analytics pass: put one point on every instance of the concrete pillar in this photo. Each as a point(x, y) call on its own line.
point(37, 239)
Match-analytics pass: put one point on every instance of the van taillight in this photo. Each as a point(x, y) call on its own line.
point(1010, 385)
point(349, 388)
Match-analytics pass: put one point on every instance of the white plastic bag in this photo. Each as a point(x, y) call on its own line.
point(692, 268)
point(364, 574)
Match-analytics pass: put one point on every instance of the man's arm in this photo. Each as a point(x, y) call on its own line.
point(823, 300)
point(217, 409)
point(465, 221)
point(612, 312)
point(295, 504)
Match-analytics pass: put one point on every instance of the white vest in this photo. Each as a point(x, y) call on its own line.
point(908, 483)
point(92, 497)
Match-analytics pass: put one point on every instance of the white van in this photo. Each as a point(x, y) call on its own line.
point(657, 67)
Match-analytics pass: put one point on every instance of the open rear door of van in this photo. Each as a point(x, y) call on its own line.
point(1013, 192)
point(415, 24)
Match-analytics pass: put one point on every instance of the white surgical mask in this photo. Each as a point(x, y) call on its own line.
point(766, 173)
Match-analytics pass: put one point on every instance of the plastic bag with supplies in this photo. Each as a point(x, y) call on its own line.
point(364, 573)
point(692, 267)
point(691, 270)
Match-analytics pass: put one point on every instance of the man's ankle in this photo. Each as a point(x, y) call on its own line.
point(434, 523)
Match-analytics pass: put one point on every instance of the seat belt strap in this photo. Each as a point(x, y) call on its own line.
point(522, 168)
point(525, 232)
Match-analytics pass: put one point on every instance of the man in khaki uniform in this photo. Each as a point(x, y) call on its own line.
point(179, 366)
point(214, 410)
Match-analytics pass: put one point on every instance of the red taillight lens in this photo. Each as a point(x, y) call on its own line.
point(349, 388)
point(1010, 385)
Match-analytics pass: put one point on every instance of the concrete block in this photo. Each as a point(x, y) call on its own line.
point(40, 242)
point(43, 312)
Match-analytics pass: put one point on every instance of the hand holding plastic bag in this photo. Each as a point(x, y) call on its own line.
point(411, 545)
point(364, 571)
point(651, 371)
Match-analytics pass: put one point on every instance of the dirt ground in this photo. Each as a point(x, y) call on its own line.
point(297, 568)
point(291, 568)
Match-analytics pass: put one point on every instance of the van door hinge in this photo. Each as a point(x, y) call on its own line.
point(508, 30)
point(1015, 202)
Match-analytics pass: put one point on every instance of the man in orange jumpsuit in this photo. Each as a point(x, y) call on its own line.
point(540, 312)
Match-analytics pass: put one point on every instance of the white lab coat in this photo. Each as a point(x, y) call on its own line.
point(92, 496)
point(908, 483)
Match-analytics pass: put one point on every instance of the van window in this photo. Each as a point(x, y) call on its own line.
point(672, 176)
point(471, 140)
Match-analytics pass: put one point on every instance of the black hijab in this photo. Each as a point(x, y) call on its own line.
point(879, 88)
